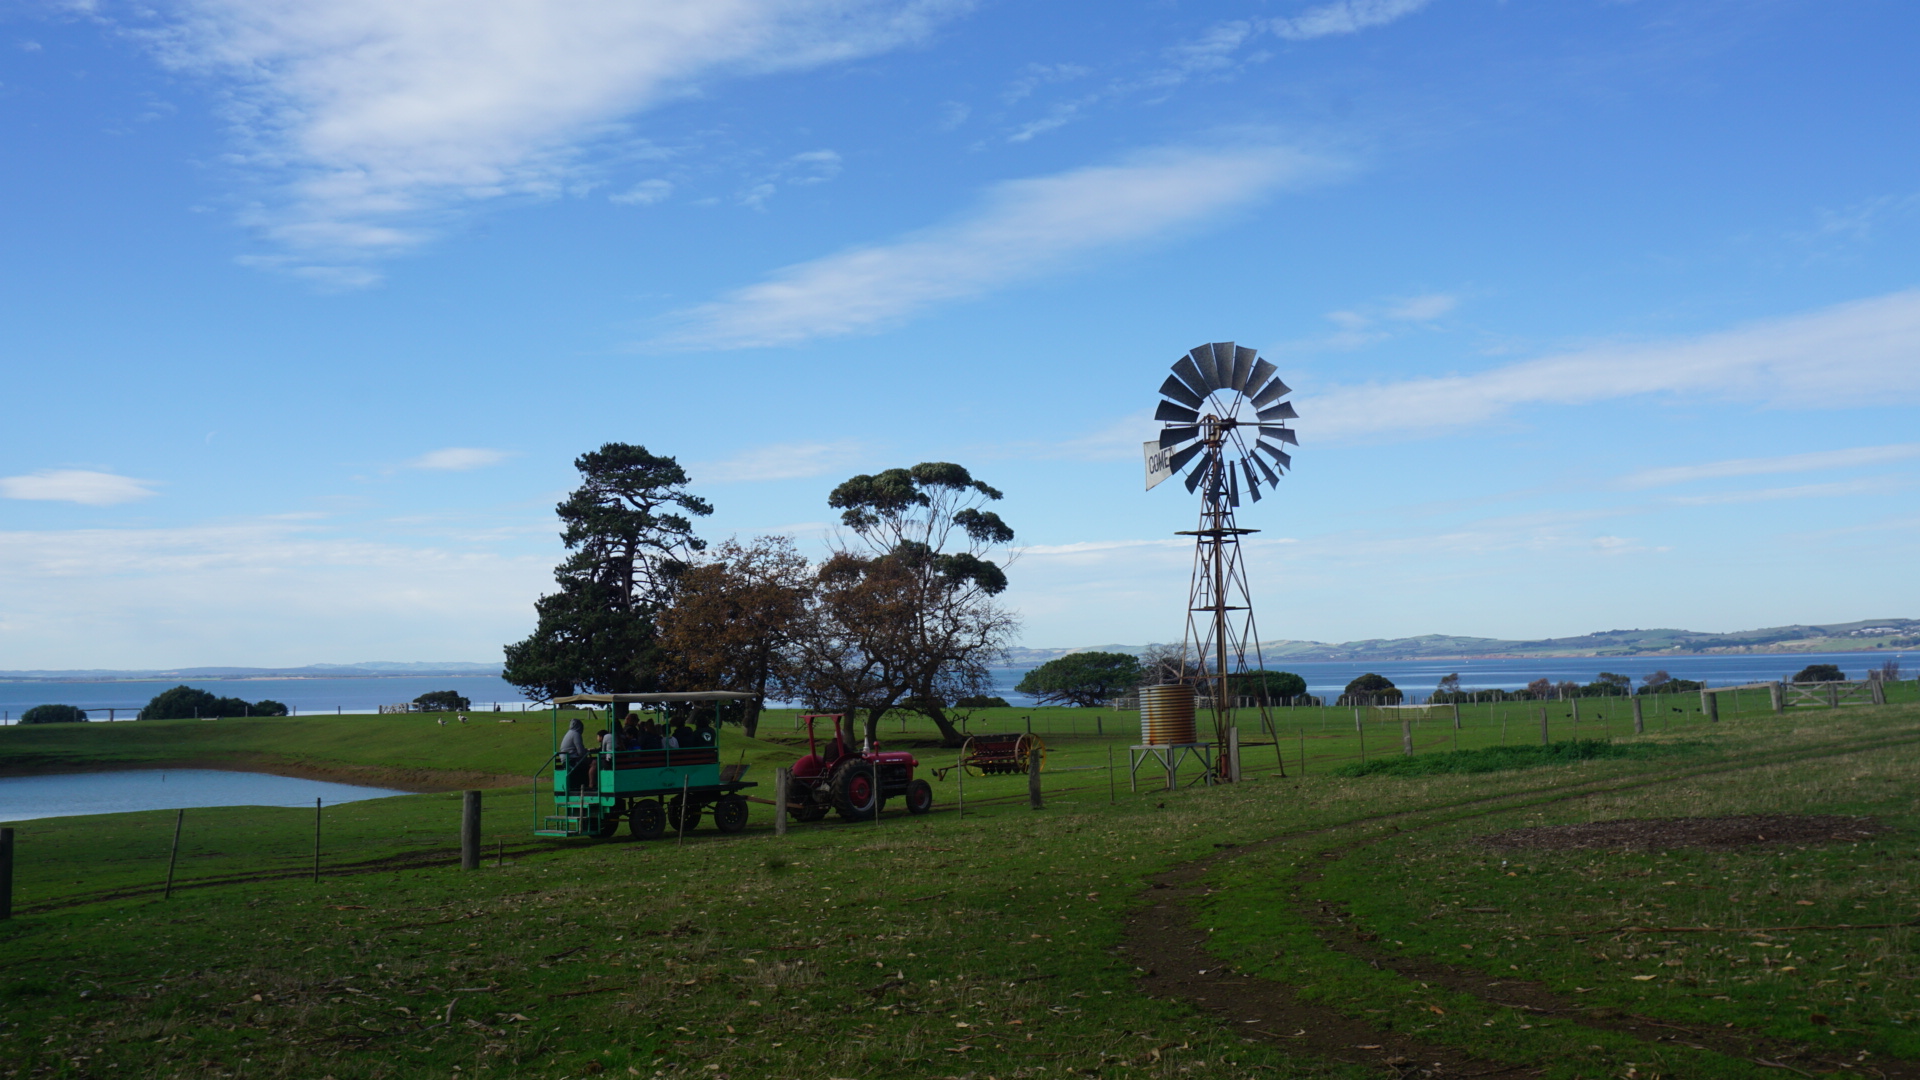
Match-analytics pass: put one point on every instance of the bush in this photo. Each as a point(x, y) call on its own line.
point(1371, 689)
point(1673, 686)
point(982, 701)
point(185, 703)
point(1278, 686)
point(53, 714)
point(442, 701)
point(1821, 673)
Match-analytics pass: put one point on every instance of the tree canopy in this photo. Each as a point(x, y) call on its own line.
point(733, 617)
point(185, 703)
point(1086, 678)
point(1277, 686)
point(442, 701)
point(629, 528)
point(1371, 689)
point(1821, 673)
point(54, 714)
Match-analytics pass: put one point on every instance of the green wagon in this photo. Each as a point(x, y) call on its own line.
point(654, 790)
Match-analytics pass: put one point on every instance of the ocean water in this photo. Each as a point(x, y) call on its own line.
point(122, 699)
point(24, 798)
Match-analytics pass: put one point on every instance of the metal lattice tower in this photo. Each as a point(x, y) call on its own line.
point(1207, 392)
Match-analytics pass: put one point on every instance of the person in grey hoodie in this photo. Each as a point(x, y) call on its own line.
point(573, 746)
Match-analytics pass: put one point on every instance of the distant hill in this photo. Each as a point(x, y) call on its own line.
point(368, 670)
point(1865, 635)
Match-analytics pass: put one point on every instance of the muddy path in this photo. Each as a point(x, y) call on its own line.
point(1165, 941)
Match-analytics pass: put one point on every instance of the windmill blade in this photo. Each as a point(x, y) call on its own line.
point(1189, 373)
point(1194, 477)
point(1242, 367)
point(1257, 378)
point(1209, 371)
point(1272, 480)
point(1284, 434)
point(1223, 362)
point(1179, 392)
point(1174, 436)
point(1179, 460)
point(1233, 488)
point(1275, 389)
point(1282, 411)
point(1253, 482)
point(1176, 413)
point(1280, 457)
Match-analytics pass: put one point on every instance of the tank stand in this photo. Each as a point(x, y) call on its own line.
point(1170, 758)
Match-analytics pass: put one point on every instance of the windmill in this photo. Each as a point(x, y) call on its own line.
point(1224, 423)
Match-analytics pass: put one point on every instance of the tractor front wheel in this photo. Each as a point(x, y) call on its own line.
point(855, 794)
point(810, 811)
point(730, 813)
point(919, 797)
point(646, 820)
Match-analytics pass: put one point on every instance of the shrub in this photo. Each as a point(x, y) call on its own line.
point(186, 702)
point(442, 701)
point(53, 714)
point(1673, 686)
point(982, 701)
point(1821, 673)
point(1371, 689)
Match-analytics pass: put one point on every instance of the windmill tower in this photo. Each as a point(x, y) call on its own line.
point(1224, 420)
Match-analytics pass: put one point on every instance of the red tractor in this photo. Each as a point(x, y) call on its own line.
point(857, 782)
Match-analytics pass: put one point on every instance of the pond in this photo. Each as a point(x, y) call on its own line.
point(23, 798)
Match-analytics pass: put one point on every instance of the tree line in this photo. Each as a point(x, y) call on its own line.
point(902, 612)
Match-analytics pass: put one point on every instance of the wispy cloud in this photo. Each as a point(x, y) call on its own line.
point(76, 486)
point(1808, 462)
point(644, 193)
point(780, 461)
point(458, 459)
point(1849, 354)
point(1867, 486)
point(1343, 17)
point(367, 119)
point(1023, 229)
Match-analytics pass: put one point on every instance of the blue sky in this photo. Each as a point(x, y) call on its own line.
point(1600, 314)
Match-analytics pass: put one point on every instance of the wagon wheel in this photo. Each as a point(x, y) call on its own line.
point(609, 824)
point(646, 821)
point(677, 809)
point(1029, 744)
point(730, 813)
point(967, 764)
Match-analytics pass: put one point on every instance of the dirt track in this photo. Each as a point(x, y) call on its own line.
point(1171, 948)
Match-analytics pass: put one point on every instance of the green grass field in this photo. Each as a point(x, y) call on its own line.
point(988, 945)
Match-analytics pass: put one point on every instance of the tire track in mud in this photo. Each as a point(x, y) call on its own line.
point(1165, 940)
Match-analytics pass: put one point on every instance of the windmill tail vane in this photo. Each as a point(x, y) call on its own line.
point(1225, 423)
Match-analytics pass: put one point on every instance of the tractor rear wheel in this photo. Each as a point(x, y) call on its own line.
point(730, 813)
point(646, 820)
point(919, 797)
point(689, 810)
point(855, 794)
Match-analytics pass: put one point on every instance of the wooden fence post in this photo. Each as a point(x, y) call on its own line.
point(1777, 696)
point(1406, 736)
point(1833, 695)
point(781, 779)
point(1543, 725)
point(6, 873)
point(1233, 755)
point(1710, 704)
point(1033, 780)
point(470, 831)
point(1639, 719)
point(1879, 691)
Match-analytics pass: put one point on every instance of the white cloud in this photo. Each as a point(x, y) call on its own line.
point(1423, 308)
point(1808, 462)
point(458, 459)
point(1802, 491)
point(1023, 229)
point(781, 461)
point(75, 485)
point(644, 193)
point(1344, 17)
point(369, 117)
point(1865, 352)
